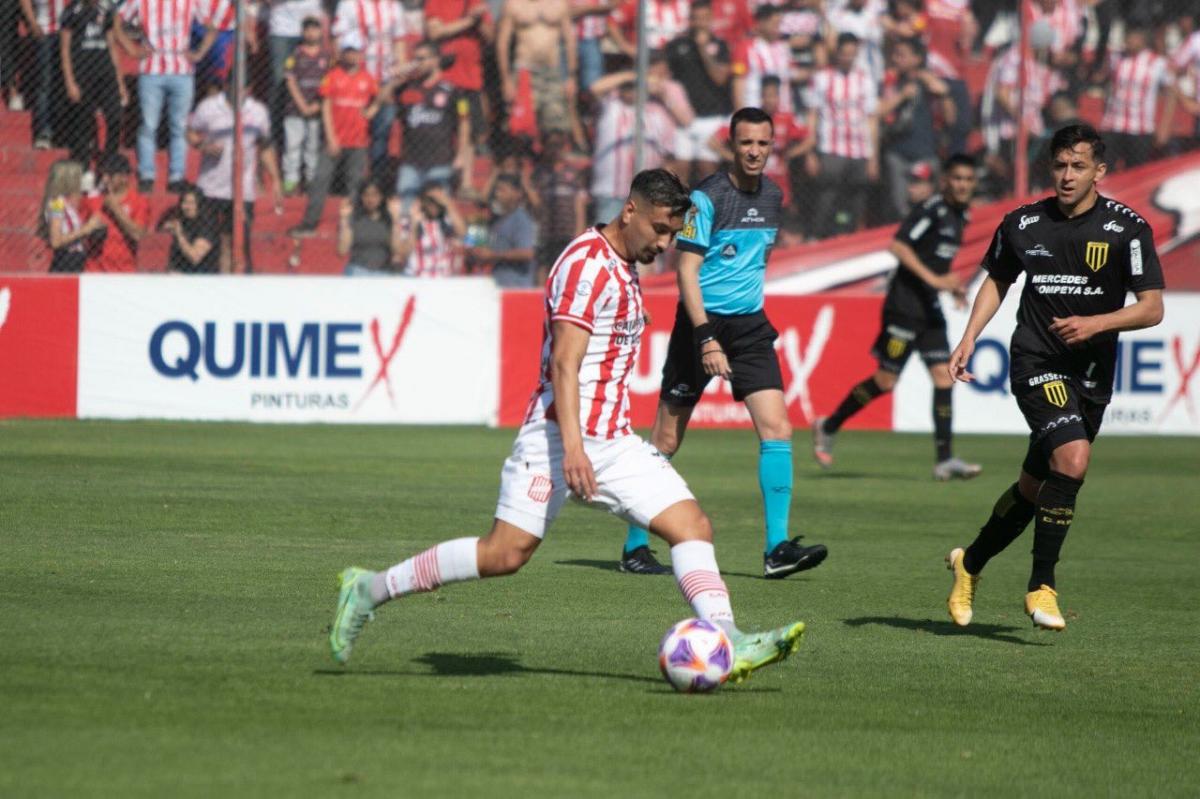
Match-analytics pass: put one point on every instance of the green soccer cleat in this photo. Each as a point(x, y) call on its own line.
point(752, 651)
point(353, 611)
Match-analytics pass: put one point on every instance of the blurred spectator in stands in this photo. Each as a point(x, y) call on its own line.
point(912, 93)
point(165, 67)
point(285, 31)
point(43, 18)
point(461, 29)
point(368, 233)
point(762, 54)
point(1065, 19)
point(1061, 112)
point(950, 35)
point(558, 198)
point(665, 20)
point(510, 156)
point(210, 130)
point(216, 65)
point(512, 237)
point(303, 71)
point(731, 19)
point(195, 240)
point(670, 94)
point(920, 183)
point(437, 128)
point(431, 237)
point(60, 225)
point(125, 213)
point(864, 19)
point(842, 104)
point(531, 40)
point(92, 80)
point(803, 25)
point(1186, 62)
point(377, 28)
point(10, 62)
point(591, 28)
point(613, 155)
point(700, 62)
point(349, 100)
point(1131, 125)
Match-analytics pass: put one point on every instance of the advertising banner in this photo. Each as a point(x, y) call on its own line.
point(288, 349)
point(823, 347)
point(38, 338)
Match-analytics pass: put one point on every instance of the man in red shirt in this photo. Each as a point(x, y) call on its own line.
point(461, 28)
point(126, 216)
point(349, 99)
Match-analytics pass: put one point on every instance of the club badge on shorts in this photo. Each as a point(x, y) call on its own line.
point(1056, 393)
point(1096, 255)
point(895, 347)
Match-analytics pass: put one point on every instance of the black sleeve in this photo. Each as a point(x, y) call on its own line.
point(70, 19)
point(1139, 263)
point(917, 225)
point(1000, 261)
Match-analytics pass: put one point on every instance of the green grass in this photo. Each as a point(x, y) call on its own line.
point(167, 587)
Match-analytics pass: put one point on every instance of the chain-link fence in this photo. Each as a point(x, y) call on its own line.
point(459, 136)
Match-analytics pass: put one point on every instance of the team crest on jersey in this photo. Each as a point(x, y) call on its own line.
point(689, 224)
point(540, 487)
point(1096, 255)
point(728, 251)
point(896, 347)
point(1056, 393)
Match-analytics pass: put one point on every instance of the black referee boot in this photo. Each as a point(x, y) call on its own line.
point(789, 557)
point(642, 561)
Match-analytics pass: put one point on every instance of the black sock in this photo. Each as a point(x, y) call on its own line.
point(943, 415)
point(1010, 516)
point(859, 397)
point(1055, 511)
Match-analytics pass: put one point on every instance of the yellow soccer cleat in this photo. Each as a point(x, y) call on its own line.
point(962, 593)
point(1042, 607)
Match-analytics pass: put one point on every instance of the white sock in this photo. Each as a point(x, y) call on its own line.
point(699, 578)
point(448, 562)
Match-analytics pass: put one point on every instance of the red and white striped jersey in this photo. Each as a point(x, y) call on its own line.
point(1132, 105)
point(593, 26)
point(167, 27)
point(1067, 21)
point(665, 19)
point(755, 58)
point(48, 14)
point(434, 253)
point(1042, 81)
point(592, 287)
point(1187, 61)
point(944, 35)
point(381, 24)
point(844, 102)
point(612, 161)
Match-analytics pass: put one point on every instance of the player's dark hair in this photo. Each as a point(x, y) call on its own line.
point(1066, 139)
point(755, 116)
point(846, 38)
point(958, 159)
point(663, 188)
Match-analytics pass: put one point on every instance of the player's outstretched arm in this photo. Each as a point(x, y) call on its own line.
point(987, 302)
point(569, 345)
point(1147, 311)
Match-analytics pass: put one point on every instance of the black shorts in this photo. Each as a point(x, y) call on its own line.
point(749, 344)
point(899, 336)
point(1057, 412)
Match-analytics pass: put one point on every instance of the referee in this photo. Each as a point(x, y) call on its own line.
point(721, 331)
point(1081, 253)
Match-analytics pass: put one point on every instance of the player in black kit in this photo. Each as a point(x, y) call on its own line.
point(1081, 253)
point(925, 245)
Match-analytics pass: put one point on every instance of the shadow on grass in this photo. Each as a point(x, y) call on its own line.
point(604, 565)
point(991, 632)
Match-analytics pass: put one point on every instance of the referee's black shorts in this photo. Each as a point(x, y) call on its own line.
point(749, 343)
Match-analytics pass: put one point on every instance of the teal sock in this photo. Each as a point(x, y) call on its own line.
point(637, 537)
point(775, 480)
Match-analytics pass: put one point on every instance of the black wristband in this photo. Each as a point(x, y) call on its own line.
point(704, 334)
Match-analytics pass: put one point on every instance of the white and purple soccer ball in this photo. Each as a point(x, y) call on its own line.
point(695, 656)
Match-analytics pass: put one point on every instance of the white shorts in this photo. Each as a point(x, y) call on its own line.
point(691, 143)
point(633, 480)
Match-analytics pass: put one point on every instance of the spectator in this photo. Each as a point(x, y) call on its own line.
point(920, 184)
point(368, 233)
point(437, 128)
point(950, 33)
point(803, 25)
point(42, 20)
point(1065, 19)
point(842, 104)
point(286, 31)
point(124, 212)
point(92, 80)
point(10, 42)
point(1061, 112)
point(907, 114)
point(731, 19)
point(165, 67)
point(210, 130)
point(700, 62)
point(349, 100)
point(532, 37)
point(432, 236)
point(195, 241)
point(303, 71)
point(864, 19)
point(666, 20)
point(1186, 62)
point(377, 29)
point(461, 29)
point(591, 28)
point(613, 157)
point(558, 198)
point(60, 224)
point(763, 54)
point(511, 238)
point(1131, 124)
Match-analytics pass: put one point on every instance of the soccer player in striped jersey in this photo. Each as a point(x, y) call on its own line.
point(577, 441)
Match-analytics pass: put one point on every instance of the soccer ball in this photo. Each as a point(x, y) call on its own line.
point(695, 656)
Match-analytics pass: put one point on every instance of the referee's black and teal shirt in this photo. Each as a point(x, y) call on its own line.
point(734, 231)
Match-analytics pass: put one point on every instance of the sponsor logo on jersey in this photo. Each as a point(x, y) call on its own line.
point(1046, 378)
point(1056, 393)
point(1026, 221)
point(1135, 257)
point(728, 251)
point(583, 288)
point(752, 217)
point(946, 251)
point(1096, 255)
point(919, 228)
point(689, 224)
point(896, 347)
point(1113, 227)
point(1039, 251)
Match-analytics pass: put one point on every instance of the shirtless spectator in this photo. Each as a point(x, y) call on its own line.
point(530, 42)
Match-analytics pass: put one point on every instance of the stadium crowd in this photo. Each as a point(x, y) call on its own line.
point(481, 135)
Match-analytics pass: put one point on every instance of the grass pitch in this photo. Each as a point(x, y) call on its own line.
point(167, 587)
